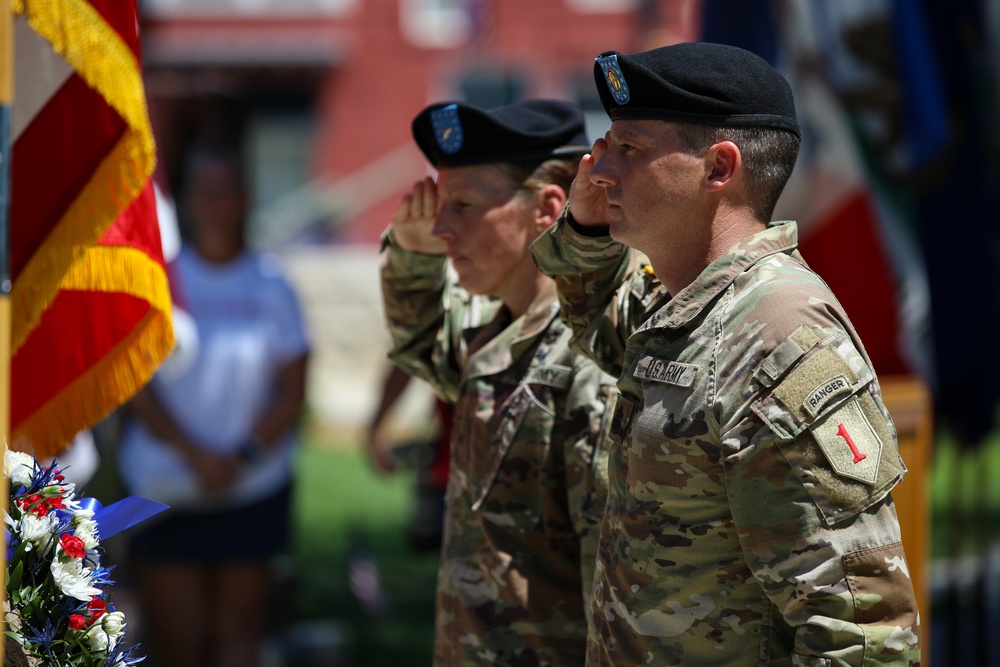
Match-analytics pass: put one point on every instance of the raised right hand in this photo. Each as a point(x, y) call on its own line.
point(588, 202)
point(413, 223)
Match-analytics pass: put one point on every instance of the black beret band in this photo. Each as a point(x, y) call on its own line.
point(455, 134)
point(695, 82)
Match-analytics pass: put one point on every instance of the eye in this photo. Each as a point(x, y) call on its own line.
point(627, 147)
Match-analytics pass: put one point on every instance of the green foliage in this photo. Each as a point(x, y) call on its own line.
point(344, 508)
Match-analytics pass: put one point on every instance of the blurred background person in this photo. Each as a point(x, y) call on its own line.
point(429, 455)
point(215, 438)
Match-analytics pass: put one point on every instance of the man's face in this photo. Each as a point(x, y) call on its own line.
point(486, 225)
point(652, 185)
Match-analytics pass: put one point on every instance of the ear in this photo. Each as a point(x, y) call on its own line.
point(722, 162)
point(549, 202)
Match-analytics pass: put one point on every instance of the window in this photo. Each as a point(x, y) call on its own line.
point(440, 24)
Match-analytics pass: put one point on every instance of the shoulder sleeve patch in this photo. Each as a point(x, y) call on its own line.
point(849, 443)
point(829, 425)
point(815, 384)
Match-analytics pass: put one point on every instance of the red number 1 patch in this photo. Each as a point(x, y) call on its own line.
point(842, 432)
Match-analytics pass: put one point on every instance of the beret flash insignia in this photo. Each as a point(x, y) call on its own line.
point(616, 80)
point(448, 128)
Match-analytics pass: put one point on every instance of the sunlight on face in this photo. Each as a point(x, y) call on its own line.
point(487, 226)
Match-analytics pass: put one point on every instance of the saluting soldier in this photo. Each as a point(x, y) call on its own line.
point(470, 313)
point(749, 519)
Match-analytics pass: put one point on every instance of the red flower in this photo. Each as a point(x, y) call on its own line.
point(73, 546)
point(77, 622)
point(97, 607)
point(56, 502)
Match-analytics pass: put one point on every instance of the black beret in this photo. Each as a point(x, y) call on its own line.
point(454, 134)
point(695, 82)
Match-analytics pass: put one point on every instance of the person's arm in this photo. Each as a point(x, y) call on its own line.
point(393, 386)
point(582, 435)
point(815, 519)
point(285, 410)
point(605, 289)
point(424, 308)
point(215, 472)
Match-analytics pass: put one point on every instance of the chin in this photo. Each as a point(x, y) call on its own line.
point(472, 284)
point(618, 232)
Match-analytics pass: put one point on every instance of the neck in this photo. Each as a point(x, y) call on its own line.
point(218, 253)
point(676, 270)
point(521, 289)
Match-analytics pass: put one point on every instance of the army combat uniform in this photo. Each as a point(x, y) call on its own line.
point(749, 520)
point(528, 477)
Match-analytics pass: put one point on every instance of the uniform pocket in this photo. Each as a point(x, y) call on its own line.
point(884, 604)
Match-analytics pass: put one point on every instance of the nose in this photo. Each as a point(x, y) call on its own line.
point(602, 173)
point(442, 227)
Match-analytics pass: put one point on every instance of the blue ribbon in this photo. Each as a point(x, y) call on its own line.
point(121, 515)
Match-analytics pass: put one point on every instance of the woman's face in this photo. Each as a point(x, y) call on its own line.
point(487, 225)
point(217, 204)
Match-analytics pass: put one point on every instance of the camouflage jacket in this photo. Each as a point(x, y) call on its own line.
point(528, 477)
point(749, 520)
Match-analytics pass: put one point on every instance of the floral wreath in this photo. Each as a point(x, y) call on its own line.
point(56, 609)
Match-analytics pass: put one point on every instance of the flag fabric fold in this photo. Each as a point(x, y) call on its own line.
point(90, 299)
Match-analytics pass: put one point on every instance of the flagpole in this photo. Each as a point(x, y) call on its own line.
point(6, 102)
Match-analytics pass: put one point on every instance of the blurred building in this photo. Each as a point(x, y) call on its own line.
point(320, 93)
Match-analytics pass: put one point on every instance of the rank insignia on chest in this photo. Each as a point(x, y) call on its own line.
point(448, 128)
point(625, 408)
point(849, 443)
point(615, 78)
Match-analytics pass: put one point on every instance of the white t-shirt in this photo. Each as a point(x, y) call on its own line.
point(249, 324)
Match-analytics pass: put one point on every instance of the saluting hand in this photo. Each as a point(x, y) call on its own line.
point(588, 202)
point(413, 223)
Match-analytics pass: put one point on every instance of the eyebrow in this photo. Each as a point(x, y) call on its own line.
point(629, 134)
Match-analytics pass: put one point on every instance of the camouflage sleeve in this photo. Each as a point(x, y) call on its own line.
point(605, 289)
point(589, 406)
point(812, 459)
point(424, 310)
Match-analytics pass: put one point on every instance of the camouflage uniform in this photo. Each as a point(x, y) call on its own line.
point(528, 476)
point(749, 520)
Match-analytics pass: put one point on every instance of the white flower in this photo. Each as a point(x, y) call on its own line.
point(19, 467)
point(86, 530)
point(71, 578)
point(39, 530)
point(114, 624)
point(79, 514)
point(97, 638)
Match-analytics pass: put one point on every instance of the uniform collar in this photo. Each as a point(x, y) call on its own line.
point(508, 342)
point(779, 237)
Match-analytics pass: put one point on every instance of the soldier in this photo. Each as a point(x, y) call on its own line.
point(528, 475)
point(749, 519)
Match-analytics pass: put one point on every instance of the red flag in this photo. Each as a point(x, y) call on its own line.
point(90, 300)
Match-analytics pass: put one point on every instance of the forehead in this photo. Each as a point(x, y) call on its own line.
point(648, 130)
point(487, 179)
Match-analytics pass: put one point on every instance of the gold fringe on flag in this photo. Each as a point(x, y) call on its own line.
point(80, 34)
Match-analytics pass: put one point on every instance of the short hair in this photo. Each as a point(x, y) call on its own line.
point(533, 175)
point(769, 156)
